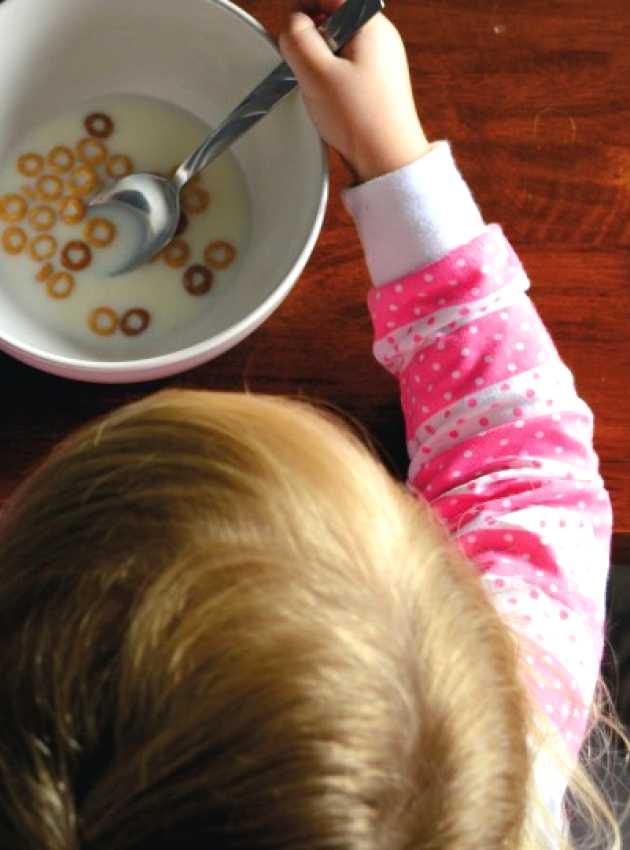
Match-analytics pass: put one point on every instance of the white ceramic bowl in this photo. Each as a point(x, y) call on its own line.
point(202, 55)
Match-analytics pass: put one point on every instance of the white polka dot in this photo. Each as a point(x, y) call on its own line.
point(465, 352)
point(548, 708)
point(507, 503)
point(504, 316)
point(485, 269)
point(519, 346)
point(428, 278)
point(511, 367)
point(424, 408)
point(539, 435)
point(468, 453)
point(524, 326)
point(455, 474)
point(508, 538)
point(391, 324)
point(436, 367)
point(417, 311)
point(441, 345)
point(456, 374)
point(581, 505)
point(399, 287)
point(479, 382)
point(460, 263)
point(448, 396)
point(453, 282)
point(556, 417)
point(519, 423)
point(473, 329)
point(553, 588)
point(503, 442)
point(474, 291)
point(393, 308)
point(559, 450)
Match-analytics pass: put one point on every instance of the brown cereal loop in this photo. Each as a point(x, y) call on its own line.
point(60, 285)
point(91, 151)
point(195, 199)
point(119, 165)
point(30, 164)
point(49, 187)
point(83, 180)
point(72, 210)
point(61, 159)
point(45, 272)
point(13, 240)
point(197, 280)
point(135, 321)
point(13, 208)
point(103, 321)
point(99, 125)
point(219, 254)
point(99, 232)
point(177, 253)
point(43, 247)
point(69, 258)
point(42, 218)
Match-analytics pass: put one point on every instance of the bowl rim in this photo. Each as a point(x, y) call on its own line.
point(175, 361)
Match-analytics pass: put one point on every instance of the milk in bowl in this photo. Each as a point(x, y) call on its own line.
point(56, 259)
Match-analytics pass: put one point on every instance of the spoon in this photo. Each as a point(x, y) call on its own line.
point(154, 200)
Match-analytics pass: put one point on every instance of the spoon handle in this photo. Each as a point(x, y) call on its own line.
point(338, 30)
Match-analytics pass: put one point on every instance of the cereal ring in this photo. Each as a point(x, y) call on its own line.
point(49, 187)
point(30, 193)
point(195, 199)
point(45, 272)
point(72, 210)
point(43, 247)
point(13, 208)
point(42, 218)
point(61, 159)
point(135, 321)
point(197, 280)
point(99, 232)
point(60, 285)
point(119, 166)
point(13, 240)
point(76, 256)
point(182, 224)
point(219, 255)
point(30, 164)
point(177, 253)
point(91, 151)
point(103, 321)
point(82, 181)
point(99, 125)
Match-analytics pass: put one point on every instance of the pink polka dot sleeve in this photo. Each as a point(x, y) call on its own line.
point(501, 446)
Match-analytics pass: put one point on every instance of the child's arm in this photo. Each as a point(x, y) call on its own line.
point(500, 443)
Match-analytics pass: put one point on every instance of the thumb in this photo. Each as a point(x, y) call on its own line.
point(305, 50)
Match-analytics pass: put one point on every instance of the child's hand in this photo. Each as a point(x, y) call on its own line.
point(361, 100)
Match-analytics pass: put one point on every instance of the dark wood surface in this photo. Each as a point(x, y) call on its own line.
point(534, 96)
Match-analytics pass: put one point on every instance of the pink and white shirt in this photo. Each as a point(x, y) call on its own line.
point(500, 443)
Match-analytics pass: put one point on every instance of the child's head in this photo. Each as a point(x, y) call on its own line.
point(224, 625)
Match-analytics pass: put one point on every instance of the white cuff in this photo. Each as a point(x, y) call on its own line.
point(414, 216)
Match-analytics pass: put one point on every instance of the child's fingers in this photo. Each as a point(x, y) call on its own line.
point(304, 49)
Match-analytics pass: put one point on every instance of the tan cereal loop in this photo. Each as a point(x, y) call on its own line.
point(99, 232)
point(72, 210)
point(92, 151)
point(61, 159)
point(219, 255)
point(119, 165)
point(177, 253)
point(13, 240)
point(42, 217)
point(103, 321)
point(45, 272)
point(30, 164)
point(135, 321)
point(82, 180)
point(13, 208)
point(60, 285)
point(195, 199)
point(43, 247)
point(76, 256)
point(30, 193)
point(197, 280)
point(99, 125)
point(49, 187)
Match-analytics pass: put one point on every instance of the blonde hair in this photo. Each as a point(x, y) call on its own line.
point(224, 624)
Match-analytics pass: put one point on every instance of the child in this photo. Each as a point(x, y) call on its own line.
point(224, 625)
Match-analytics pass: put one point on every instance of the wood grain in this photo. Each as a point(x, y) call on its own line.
point(534, 96)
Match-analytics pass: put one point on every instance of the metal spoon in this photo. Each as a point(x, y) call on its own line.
point(154, 200)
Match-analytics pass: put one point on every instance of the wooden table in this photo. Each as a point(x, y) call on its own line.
point(534, 96)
